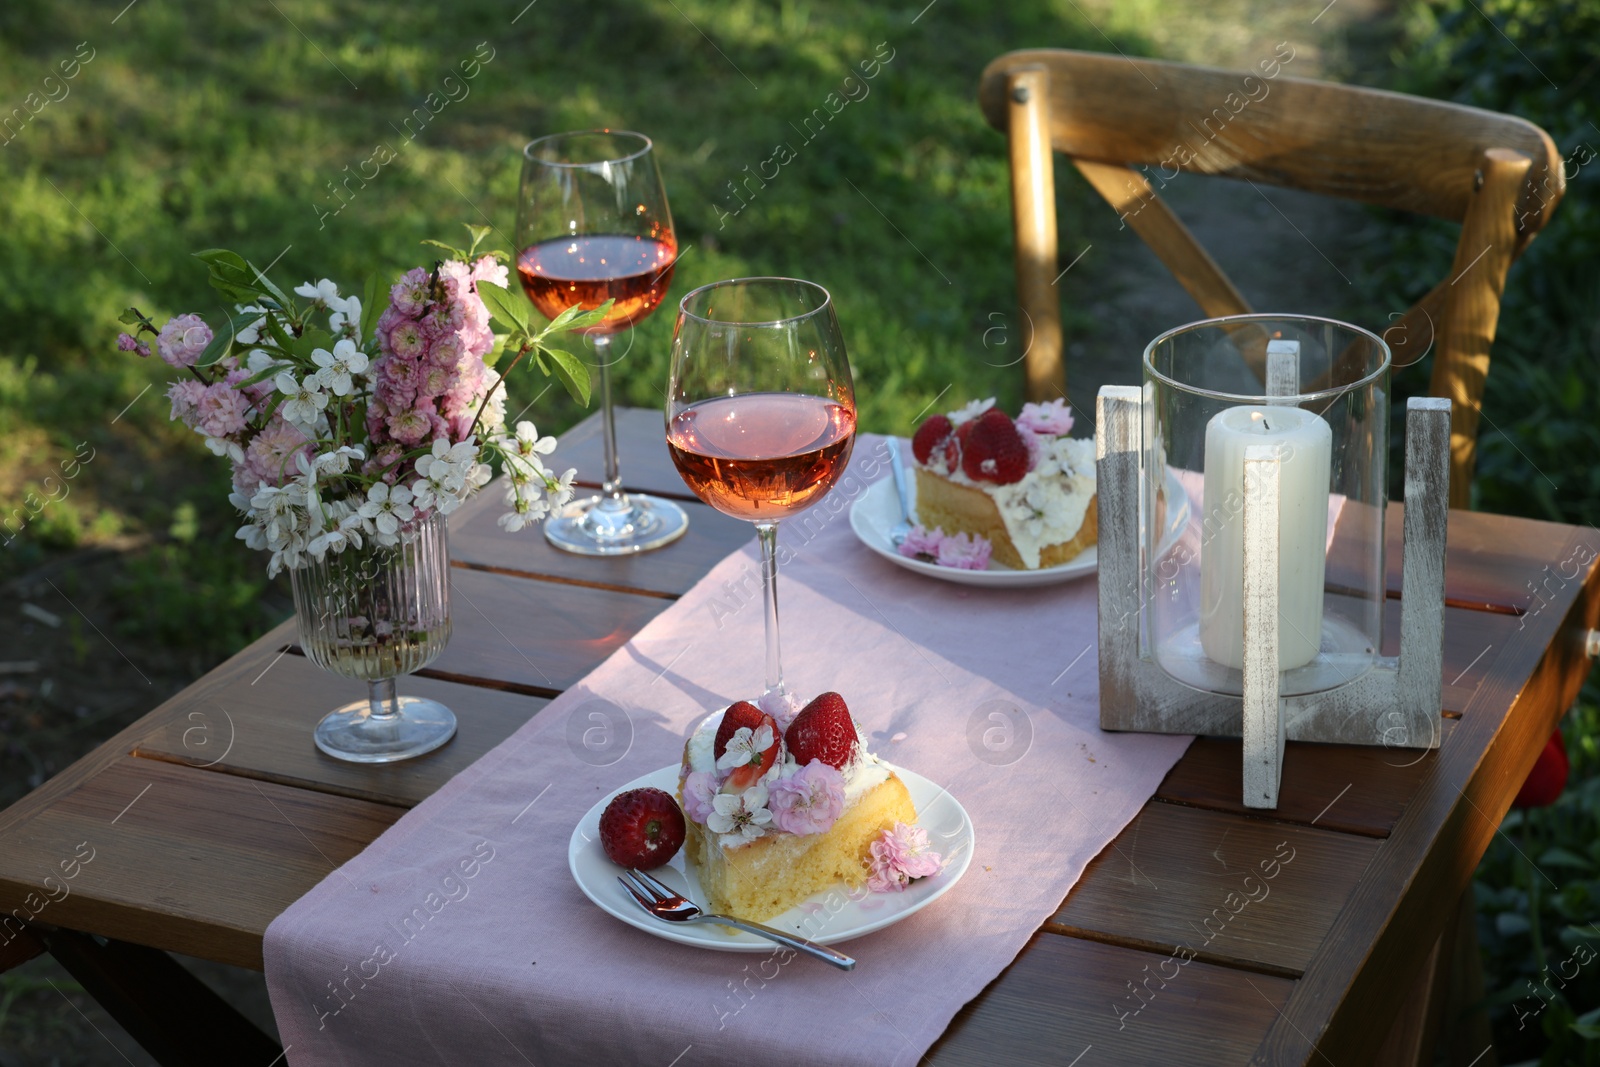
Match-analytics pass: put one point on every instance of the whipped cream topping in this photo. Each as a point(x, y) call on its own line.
point(862, 774)
point(1048, 505)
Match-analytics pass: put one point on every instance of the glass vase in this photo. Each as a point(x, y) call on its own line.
point(373, 614)
point(1324, 421)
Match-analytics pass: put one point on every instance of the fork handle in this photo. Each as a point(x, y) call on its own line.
point(821, 952)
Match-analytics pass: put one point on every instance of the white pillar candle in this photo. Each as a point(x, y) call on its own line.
point(1306, 446)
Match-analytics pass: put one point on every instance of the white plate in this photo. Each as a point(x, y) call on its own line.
point(949, 833)
point(878, 509)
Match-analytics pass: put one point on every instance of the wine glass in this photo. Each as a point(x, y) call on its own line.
point(761, 414)
point(593, 225)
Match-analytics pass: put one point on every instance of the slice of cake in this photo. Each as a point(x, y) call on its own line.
point(773, 819)
point(1021, 483)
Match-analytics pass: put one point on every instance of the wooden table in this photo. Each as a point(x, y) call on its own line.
point(214, 812)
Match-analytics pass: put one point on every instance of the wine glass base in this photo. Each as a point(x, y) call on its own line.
point(596, 527)
point(352, 733)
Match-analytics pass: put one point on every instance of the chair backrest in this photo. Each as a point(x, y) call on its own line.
point(1124, 122)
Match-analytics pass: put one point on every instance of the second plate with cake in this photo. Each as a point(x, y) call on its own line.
point(877, 511)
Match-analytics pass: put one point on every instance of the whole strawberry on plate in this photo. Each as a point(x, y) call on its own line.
point(642, 828)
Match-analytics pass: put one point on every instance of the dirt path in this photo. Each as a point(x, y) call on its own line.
point(1285, 250)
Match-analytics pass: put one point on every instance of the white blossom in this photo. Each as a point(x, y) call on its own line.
point(745, 747)
point(305, 401)
point(323, 292)
point(740, 816)
point(338, 367)
point(346, 321)
point(249, 335)
point(388, 506)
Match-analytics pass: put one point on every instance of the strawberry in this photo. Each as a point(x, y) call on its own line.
point(994, 451)
point(823, 730)
point(930, 435)
point(1548, 777)
point(641, 828)
point(740, 713)
point(746, 775)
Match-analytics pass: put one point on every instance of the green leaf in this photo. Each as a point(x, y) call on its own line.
point(478, 234)
point(270, 371)
point(374, 292)
point(1560, 857)
point(131, 317)
point(575, 318)
point(511, 309)
point(222, 340)
point(221, 344)
point(570, 371)
point(455, 253)
point(230, 275)
point(267, 286)
point(311, 340)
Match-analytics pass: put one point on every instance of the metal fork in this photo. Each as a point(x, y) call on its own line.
point(663, 902)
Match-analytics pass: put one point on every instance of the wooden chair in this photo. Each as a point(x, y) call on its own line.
point(1123, 121)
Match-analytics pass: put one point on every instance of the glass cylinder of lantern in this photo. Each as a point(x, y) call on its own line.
point(1321, 421)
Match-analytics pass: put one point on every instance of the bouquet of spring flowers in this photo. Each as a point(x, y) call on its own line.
point(355, 433)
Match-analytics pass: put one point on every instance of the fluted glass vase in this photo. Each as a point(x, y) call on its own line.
point(374, 614)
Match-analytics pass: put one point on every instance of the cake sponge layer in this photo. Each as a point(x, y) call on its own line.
point(773, 873)
point(962, 509)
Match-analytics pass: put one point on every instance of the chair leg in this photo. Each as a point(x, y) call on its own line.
point(18, 948)
point(172, 1014)
point(1033, 209)
point(1472, 307)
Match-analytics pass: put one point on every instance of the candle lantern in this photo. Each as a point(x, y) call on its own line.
point(1264, 618)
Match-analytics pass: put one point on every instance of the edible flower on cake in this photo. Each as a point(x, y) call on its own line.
point(1021, 484)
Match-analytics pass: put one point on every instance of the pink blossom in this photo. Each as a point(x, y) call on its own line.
point(185, 395)
point(899, 857)
point(126, 342)
point(446, 352)
point(387, 460)
point(699, 789)
point(220, 411)
point(1053, 417)
point(387, 321)
point(964, 552)
point(409, 427)
point(922, 544)
point(489, 269)
point(396, 382)
point(378, 420)
point(270, 456)
point(407, 340)
point(182, 340)
point(436, 381)
point(809, 801)
point(410, 293)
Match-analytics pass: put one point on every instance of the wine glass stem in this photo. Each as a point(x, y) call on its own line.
point(381, 695)
point(767, 532)
point(611, 489)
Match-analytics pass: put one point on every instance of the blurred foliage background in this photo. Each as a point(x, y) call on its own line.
point(188, 125)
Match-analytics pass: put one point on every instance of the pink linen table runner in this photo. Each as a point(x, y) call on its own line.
point(459, 935)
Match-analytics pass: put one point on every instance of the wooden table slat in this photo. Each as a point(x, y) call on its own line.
point(476, 540)
point(232, 852)
point(258, 724)
point(1064, 995)
point(1229, 889)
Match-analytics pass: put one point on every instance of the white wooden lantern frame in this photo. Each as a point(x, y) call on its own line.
point(1396, 704)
